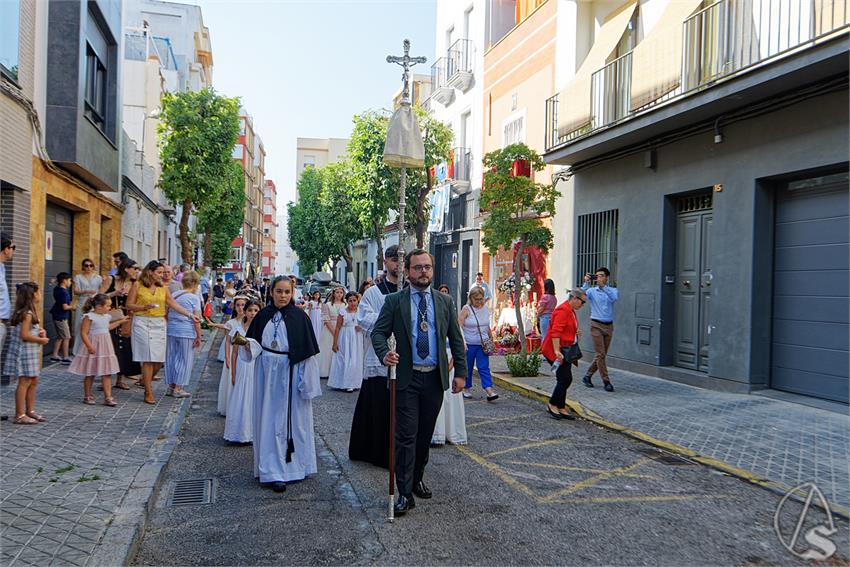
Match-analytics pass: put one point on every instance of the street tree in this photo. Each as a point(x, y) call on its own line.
point(374, 185)
point(308, 224)
point(515, 206)
point(437, 138)
point(221, 219)
point(336, 202)
point(197, 132)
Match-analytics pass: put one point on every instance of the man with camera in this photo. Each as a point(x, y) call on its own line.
point(602, 298)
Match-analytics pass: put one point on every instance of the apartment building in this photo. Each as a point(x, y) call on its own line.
point(60, 64)
point(270, 228)
point(708, 150)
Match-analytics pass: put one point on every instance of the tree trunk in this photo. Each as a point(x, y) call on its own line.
point(421, 221)
point(520, 329)
point(186, 248)
point(346, 255)
point(208, 248)
point(376, 234)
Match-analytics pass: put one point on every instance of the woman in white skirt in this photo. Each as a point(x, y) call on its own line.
point(239, 426)
point(224, 380)
point(148, 299)
point(347, 366)
point(334, 305)
point(184, 336)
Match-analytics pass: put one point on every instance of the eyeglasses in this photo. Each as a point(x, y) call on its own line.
point(422, 268)
point(88, 265)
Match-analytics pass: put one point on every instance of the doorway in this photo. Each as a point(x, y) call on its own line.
point(693, 281)
point(59, 249)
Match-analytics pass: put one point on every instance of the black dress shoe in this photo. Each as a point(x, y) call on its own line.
point(403, 504)
point(553, 414)
point(422, 491)
point(609, 387)
point(279, 486)
point(586, 381)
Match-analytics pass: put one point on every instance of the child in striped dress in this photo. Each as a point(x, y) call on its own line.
point(96, 357)
point(23, 361)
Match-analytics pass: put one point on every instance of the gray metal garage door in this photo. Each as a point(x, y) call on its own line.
point(810, 283)
point(59, 225)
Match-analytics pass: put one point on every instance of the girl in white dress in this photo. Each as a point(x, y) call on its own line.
point(239, 426)
point(286, 379)
point(237, 311)
point(314, 311)
point(224, 382)
point(347, 366)
point(334, 305)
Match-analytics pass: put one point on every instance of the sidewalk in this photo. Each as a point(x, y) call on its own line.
point(74, 490)
point(771, 442)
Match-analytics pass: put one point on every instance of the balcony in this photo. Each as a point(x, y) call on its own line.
point(728, 39)
point(460, 170)
point(460, 65)
point(442, 92)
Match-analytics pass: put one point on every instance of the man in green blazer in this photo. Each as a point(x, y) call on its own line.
point(421, 319)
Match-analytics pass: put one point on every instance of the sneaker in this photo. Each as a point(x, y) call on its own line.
point(182, 394)
point(66, 361)
point(467, 395)
point(55, 359)
point(586, 381)
point(493, 397)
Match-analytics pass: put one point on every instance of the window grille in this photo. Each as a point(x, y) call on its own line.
point(694, 203)
point(597, 243)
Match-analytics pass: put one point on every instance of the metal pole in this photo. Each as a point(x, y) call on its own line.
point(391, 343)
point(401, 230)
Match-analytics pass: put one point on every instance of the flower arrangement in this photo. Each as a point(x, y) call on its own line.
point(510, 284)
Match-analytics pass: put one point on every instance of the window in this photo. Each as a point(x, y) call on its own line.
point(597, 243)
point(95, 88)
point(236, 255)
point(513, 131)
point(10, 31)
point(309, 161)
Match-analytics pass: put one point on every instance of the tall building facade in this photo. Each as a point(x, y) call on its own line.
point(270, 226)
point(167, 48)
point(60, 66)
point(707, 145)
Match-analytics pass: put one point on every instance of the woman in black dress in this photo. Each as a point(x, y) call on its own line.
point(119, 286)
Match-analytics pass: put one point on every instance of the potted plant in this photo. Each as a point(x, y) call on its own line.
point(524, 364)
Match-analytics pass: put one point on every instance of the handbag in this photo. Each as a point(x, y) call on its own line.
point(572, 353)
point(487, 345)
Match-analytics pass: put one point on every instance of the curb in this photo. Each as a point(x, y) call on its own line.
point(780, 488)
point(122, 538)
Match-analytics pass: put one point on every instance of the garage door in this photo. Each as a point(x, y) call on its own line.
point(59, 227)
point(810, 282)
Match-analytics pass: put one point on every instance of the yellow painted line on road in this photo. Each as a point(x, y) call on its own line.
point(510, 437)
point(500, 419)
point(596, 479)
point(581, 469)
point(623, 499)
point(497, 470)
point(528, 446)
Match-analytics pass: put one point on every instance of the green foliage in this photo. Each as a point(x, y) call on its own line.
point(438, 138)
point(198, 130)
point(524, 364)
point(221, 219)
point(515, 205)
point(308, 232)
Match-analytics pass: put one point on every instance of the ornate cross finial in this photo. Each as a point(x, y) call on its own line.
point(406, 62)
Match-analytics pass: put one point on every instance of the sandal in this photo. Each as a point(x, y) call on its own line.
point(89, 400)
point(24, 419)
point(110, 402)
point(35, 416)
point(121, 386)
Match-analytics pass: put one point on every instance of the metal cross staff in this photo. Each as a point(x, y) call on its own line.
point(406, 62)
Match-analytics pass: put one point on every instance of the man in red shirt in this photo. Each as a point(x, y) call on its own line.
point(563, 331)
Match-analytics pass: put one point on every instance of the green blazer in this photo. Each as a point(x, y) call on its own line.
point(395, 319)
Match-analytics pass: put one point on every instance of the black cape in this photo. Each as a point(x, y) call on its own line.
point(299, 330)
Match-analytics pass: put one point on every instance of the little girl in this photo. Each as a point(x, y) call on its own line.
point(24, 356)
point(96, 357)
point(239, 425)
point(314, 311)
point(347, 364)
point(224, 383)
point(236, 312)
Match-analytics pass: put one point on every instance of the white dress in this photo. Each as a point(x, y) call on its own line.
point(224, 383)
point(82, 284)
point(314, 311)
point(271, 404)
point(239, 426)
point(347, 366)
point(451, 423)
point(326, 339)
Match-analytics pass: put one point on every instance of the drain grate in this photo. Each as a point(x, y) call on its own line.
point(189, 492)
point(663, 456)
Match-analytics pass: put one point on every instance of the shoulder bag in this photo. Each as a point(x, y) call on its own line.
point(486, 343)
point(572, 353)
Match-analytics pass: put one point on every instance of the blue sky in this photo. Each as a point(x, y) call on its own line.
point(304, 68)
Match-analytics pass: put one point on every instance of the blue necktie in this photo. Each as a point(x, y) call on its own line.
point(422, 336)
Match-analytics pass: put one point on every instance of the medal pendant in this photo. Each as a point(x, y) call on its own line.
point(274, 345)
point(423, 326)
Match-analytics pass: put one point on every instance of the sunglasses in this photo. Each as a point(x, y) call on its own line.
point(88, 265)
point(13, 247)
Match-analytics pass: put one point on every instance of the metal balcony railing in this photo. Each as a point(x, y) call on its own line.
point(721, 40)
point(438, 74)
point(462, 165)
point(460, 58)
